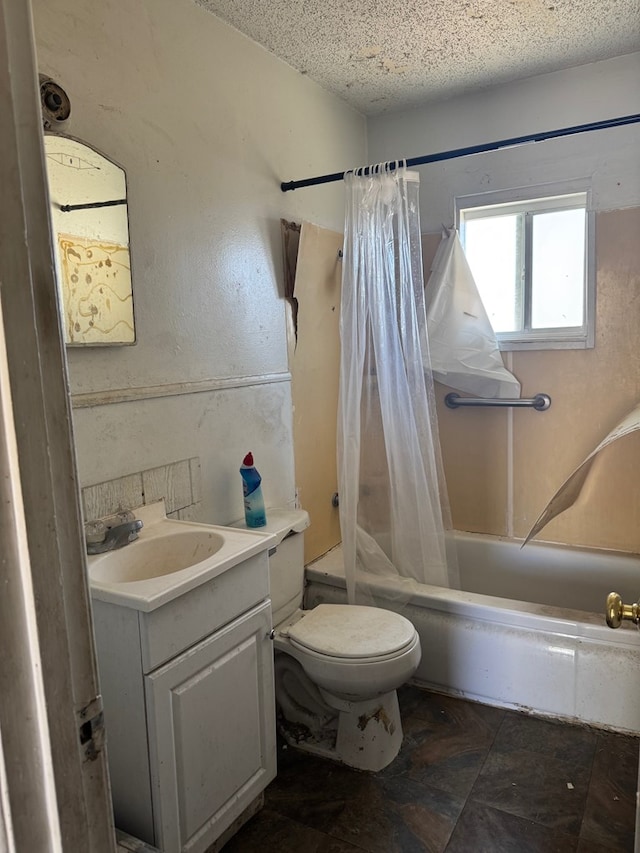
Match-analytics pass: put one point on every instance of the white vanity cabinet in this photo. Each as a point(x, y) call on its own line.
point(189, 707)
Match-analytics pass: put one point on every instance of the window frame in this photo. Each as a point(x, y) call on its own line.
point(531, 200)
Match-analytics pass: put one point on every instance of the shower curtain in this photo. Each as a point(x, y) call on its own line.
point(393, 505)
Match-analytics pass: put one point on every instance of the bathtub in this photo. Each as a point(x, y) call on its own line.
point(526, 631)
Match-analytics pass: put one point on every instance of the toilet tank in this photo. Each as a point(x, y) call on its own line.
point(286, 559)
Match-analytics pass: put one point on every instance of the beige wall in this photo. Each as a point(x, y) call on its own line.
point(206, 125)
point(502, 466)
point(501, 475)
point(315, 367)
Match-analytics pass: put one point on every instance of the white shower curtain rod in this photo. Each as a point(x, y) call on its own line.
point(285, 186)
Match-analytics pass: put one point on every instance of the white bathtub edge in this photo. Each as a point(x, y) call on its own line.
point(563, 665)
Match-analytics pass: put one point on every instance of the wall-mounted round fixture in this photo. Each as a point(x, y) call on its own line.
point(56, 106)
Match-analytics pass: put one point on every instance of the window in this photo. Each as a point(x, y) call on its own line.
point(532, 263)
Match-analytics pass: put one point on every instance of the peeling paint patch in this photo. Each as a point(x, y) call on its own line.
point(290, 232)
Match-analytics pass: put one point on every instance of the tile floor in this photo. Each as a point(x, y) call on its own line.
point(468, 779)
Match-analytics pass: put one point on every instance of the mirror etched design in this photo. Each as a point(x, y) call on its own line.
point(88, 197)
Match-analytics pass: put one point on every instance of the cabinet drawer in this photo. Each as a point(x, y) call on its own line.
point(181, 623)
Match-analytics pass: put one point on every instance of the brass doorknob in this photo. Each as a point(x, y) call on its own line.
point(616, 611)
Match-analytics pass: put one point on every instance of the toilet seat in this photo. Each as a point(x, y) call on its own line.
point(352, 633)
point(352, 678)
point(306, 655)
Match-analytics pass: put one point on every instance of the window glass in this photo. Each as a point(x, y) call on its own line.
point(557, 269)
point(530, 262)
point(492, 247)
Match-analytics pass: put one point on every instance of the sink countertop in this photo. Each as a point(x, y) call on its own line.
point(151, 593)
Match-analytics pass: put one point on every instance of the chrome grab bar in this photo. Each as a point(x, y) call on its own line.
point(541, 402)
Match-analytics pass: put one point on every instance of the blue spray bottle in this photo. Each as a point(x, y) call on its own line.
point(254, 513)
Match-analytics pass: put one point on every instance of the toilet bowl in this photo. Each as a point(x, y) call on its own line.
point(352, 651)
point(337, 666)
point(337, 670)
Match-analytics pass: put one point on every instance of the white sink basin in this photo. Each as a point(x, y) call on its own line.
point(168, 559)
point(152, 558)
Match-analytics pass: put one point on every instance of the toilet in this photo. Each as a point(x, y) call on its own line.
point(337, 666)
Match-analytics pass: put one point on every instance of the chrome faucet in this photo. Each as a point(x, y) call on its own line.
point(115, 536)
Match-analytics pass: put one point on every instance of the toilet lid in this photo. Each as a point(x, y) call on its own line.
point(352, 631)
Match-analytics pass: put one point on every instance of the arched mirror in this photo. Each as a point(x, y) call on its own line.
point(88, 195)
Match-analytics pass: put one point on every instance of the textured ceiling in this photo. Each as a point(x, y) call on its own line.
point(381, 55)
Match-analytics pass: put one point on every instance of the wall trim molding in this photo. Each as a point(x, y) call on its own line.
point(111, 396)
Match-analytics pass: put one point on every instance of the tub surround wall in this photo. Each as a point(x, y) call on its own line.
point(206, 124)
point(314, 361)
point(502, 467)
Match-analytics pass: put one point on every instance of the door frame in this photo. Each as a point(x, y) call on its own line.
point(54, 789)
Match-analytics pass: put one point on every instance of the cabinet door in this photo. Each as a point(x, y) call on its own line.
point(211, 714)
